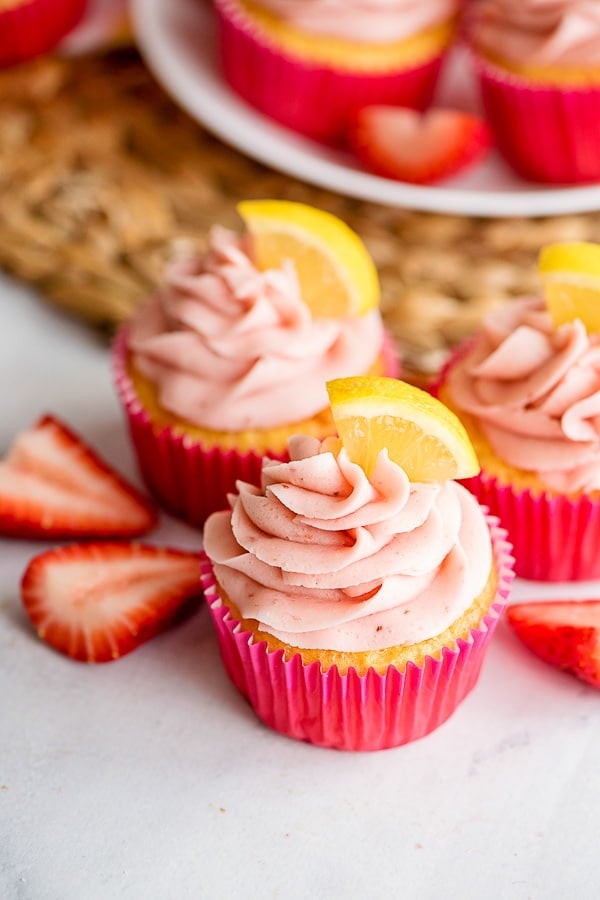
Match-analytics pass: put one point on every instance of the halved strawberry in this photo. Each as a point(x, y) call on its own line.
point(96, 602)
point(564, 633)
point(407, 145)
point(53, 485)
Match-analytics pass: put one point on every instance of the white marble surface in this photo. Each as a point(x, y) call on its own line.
point(150, 778)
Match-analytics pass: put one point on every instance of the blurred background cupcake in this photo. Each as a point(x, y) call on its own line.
point(310, 64)
point(31, 27)
point(527, 389)
point(538, 64)
point(231, 354)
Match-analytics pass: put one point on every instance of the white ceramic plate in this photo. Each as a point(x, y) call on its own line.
point(178, 43)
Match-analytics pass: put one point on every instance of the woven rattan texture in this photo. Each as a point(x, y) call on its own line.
point(102, 178)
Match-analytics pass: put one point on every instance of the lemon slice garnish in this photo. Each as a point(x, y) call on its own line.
point(337, 275)
point(420, 433)
point(571, 277)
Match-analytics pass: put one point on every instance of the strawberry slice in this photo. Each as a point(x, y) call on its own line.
point(96, 602)
point(407, 145)
point(53, 485)
point(564, 633)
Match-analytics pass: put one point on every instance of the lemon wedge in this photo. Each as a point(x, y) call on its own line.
point(337, 275)
point(571, 277)
point(420, 433)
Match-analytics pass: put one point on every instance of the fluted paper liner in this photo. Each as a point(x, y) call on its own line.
point(311, 98)
point(547, 133)
point(355, 712)
point(554, 538)
point(31, 27)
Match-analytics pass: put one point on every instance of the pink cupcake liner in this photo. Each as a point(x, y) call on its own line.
point(546, 133)
point(355, 712)
point(554, 538)
point(186, 478)
point(35, 26)
point(313, 99)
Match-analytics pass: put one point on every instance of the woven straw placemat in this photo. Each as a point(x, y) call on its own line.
point(102, 178)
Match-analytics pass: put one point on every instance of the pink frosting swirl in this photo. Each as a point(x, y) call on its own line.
point(231, 348)
point(538, 32)
point(535, 389)
point(325, 558)
point(373, 21)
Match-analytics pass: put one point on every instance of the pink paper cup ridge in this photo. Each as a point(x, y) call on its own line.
point(546, 133)
point(352, 711)
point(32, 27)
point(313, 99)
point(554, 538)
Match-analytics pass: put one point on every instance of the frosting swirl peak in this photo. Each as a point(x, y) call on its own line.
point(538, 32)
point(535, 390)
point(325, 558)
point(231, 348)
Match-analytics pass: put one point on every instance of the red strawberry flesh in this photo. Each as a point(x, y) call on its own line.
point(420, 148)
point(564, 633)
point(54, 485)
point(97, 602)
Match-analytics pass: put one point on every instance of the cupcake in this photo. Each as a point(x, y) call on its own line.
point(226, 359)
point(311, 64)
point(31, 27)
point(354, 608)
point(538, 63)
point(528, 392)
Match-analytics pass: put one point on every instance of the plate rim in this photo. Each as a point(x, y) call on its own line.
point(227, 117)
